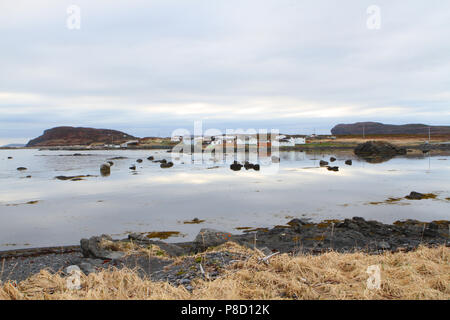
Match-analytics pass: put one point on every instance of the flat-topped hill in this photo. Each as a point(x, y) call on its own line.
point(380, 128)
point(69, 136)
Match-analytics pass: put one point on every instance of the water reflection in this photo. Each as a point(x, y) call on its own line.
point(158, 199)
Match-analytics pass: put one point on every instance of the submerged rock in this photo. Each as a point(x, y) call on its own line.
point(105, 169)
point(73, 178)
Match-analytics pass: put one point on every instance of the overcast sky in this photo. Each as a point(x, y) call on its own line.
point(149, 67)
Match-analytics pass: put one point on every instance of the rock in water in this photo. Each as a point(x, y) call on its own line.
point(332, 159)
point(248, 165)
point(333, 168)
point(236, 166)
point(419, 196)
point(21, 168)
point(166, 165)
point(323, 163)
point(151, 158)
point(105, 169)
point(348, 162)
point(133, 167)
point(139, 160)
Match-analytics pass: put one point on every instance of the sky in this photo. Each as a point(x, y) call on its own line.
point(149, 67)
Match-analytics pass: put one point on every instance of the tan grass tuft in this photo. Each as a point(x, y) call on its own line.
point(421, 274)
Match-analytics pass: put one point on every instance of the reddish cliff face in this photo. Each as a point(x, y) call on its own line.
point(380, 128)
point(69, 136)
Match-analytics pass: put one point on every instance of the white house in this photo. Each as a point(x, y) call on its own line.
point(288, 142)
point(218, 140)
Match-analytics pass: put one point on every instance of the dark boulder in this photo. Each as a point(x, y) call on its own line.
point(419, 196)
point(323, 163)
point(236, 166)
point(139, 160)
point(21, 168)
point(166, 165)
point(348, 162)
point(248, 165)
point(333, 168)
point(133, 167)
point(375, 148)
point(332, 159)
point(415, 196)
point(151, 158)
point(92, 248)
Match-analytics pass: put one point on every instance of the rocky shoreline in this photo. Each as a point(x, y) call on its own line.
point(198, 259)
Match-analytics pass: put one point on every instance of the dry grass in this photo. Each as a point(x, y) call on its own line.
point(131, 248)
point(421, 274)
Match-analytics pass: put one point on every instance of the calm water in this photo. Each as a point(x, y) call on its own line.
point(158, 199)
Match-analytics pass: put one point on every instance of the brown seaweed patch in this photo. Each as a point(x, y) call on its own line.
point(162, 234)
point(257, 229)
point(194, 221)
point(390, 200)
point(318, 238)
point(73, 178)
point(282, 226)
point(327, 223)
point(18, 204)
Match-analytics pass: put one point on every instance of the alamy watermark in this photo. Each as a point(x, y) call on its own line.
point(374, 19)
point(73, 281)
point(374, 280)
point(213, 146)
point(73, 21)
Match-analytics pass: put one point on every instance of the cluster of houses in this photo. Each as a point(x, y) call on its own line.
point(231, 140)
